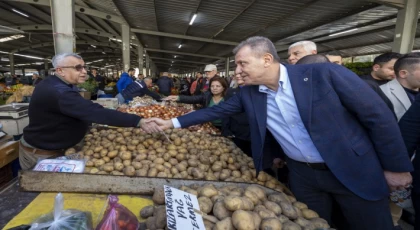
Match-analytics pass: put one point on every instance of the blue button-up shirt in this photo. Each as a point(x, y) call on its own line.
point(285, 123)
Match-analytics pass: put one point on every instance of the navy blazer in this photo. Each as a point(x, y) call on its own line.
point(350, 125)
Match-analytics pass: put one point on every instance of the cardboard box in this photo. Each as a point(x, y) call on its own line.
point(86, 95)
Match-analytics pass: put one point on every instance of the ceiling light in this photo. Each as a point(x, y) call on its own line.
point(193, 18)
point(13, 37)
point(347, 31)
point(21, 13)
point(28, 56)
point(93, 46)
point(175, 56)
point(103, 52)
point(180, 45)
point(232, 60)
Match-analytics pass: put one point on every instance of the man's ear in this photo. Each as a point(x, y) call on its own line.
point(268, 59)
point(314, 52)
point(402, 73)
point(376, 67)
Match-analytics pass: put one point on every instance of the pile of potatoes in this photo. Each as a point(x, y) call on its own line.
point(231, 207)
point(188, 155)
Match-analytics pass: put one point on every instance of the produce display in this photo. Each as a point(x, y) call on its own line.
point(231, 207)
point(188, 155)
point(160, 111)
point(19, 94)
point(142, 101)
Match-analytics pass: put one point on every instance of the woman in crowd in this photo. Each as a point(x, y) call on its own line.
point(216, 94)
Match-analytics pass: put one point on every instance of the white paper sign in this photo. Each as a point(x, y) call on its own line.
point(180, 210)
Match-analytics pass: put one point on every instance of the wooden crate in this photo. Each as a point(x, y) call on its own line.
point(6, 174)
point(8, 152)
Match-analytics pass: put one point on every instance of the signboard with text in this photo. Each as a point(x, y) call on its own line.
point(180, 210)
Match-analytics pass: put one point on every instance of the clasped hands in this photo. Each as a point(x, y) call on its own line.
point(155, 125)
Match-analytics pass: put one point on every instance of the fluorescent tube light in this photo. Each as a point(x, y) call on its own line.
point(180, 45)
point(21, 13)
point(344, 32)
point(193, 19)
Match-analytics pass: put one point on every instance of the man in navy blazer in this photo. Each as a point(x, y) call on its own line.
point(340, 139)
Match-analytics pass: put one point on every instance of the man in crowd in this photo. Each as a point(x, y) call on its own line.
point(125, 80)
point(59, 116)
point(198, 84)
point(402, 92)
point(335, 57)
point(165, 84)
point(301, 49)
point(336, 142)
point(99, 79)
point(140, 77)
point(383, 68)
point(137, 89)
point(36, 79)
point(210, 71)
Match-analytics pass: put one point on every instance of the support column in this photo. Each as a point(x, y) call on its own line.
point(12, 63)
point(140, 51)
point(405, 30)
point(23, 73)
point(227, 66)
point(62, 16)
point(147, 65)
point(125, 36)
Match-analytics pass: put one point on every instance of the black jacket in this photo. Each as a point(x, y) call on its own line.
point(375, 86)
point(410, 130)
point(185, 87)
point(202, 99)
point(200, 85)
point(165, 84)
point(59, 116)
point(138, 89)
point(101, 81)
point(236, 125)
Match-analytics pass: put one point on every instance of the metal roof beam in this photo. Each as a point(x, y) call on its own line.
point(79, 9)
point(399, 4)
point(182, 53)
point(178, 60)
point(46, 44)
point(175, 64)
point(187, 37)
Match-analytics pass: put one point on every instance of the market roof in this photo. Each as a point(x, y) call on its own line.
point(363, 27)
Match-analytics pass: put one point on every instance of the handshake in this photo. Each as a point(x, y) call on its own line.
point(155, 125)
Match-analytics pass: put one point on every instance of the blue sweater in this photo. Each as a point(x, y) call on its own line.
point(124, 81)
point(59, 116)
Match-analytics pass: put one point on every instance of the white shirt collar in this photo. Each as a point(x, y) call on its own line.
point(283, 80)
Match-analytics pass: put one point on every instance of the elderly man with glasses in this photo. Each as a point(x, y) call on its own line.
point(59, 116)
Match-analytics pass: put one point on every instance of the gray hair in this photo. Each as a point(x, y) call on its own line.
point(307, 45)
point(59, 58)
point(260, 46)
point(147, 78)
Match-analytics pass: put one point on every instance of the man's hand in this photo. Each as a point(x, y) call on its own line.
point(171, 98)
point(148, 126)
point(398, 180)
point(162, 124)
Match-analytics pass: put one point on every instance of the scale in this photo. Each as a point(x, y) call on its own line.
point(14, 117)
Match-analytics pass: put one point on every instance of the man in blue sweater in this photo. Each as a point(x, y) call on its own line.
point(165, 84)
point(137, 89)
point(125, 80)
point(59, 116)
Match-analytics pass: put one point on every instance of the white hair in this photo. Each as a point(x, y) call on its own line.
point(59, 58)
point(307, 45)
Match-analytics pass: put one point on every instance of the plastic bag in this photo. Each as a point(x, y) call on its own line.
point(59, 219)
point(60, 165)
point(117, 217)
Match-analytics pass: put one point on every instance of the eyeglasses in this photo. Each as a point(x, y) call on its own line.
point(76, 67)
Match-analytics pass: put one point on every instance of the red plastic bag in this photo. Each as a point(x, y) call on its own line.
point(117, 217)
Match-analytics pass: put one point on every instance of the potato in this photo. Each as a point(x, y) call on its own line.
point(279, 197)
point(309, 214)
point(106, 159)
point(131, 147)
point(129, 171)
point(289, 225)
point(197, 173)
point(108, 167)
point(96, 155)
point(257, 220)
point(288, 210)
point(99, 163)
point(319, 223)
point(300, 205)
point(136, 165)
point(159, 196)
point(141, 172)
point(258, 191)
point(98, 149)
point(116, 173)
point(162, 174)
point(271, 224)
point(291, 198)
point(265, 213)
point(242, 220)
point(181, 167)
point(160, 168)
point(89, 164)
point(252, 196)
point(298, 211)
point(117, 159)
point(126, 162)
point(160, 215)
point(151, 222)
point(94, 170)
point(273, 207)
point(304, 223)
point(225, 224)
point(125, 155)
point(118, 166)
point(220, 211)
point(283, 218)
point(152, 172)
point(205, 204)
point(112, 154)
point(208, 191)
point(159, 161)
point(102, 172)
point(140, 157)
point(70, 151)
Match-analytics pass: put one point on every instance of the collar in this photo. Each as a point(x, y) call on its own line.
point(63, 79)
point(283, 80)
